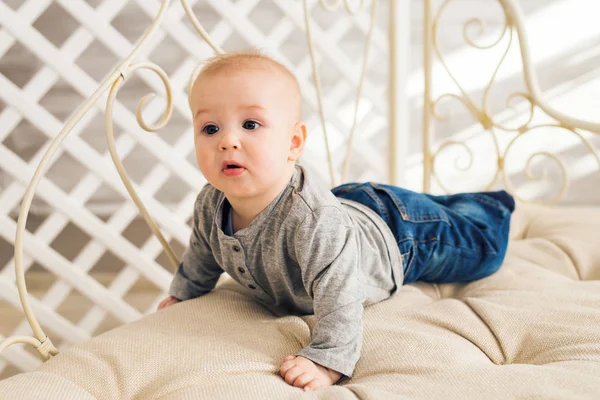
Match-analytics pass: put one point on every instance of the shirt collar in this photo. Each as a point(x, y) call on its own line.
point(228, 225)
point(294, 184)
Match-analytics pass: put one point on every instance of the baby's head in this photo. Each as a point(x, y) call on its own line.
point(247, 131)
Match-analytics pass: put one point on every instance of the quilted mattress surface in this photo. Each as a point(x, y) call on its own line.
point(531, 331)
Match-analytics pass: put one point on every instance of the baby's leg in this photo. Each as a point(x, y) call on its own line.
point(471, 246)
point(455, 238)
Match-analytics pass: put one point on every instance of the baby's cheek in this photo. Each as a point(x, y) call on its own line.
point(205, 160)
point(207, 172)
point(275, 159)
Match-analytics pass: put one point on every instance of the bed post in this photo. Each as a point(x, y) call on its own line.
point(427, 129)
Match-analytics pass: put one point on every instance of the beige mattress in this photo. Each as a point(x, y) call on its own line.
point(530, 331)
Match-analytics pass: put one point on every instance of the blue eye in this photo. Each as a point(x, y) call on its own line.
point(210, 129)
point(251, 125)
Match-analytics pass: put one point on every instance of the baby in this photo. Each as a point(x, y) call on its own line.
point(295, 243)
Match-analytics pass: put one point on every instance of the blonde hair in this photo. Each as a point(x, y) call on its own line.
point(237, 59)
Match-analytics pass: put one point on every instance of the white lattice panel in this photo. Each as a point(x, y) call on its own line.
point(84, 229)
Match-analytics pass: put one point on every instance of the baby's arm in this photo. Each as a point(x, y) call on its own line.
point(326, 250)
point(198, 273)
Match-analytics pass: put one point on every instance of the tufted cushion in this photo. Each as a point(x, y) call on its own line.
point(532, 330)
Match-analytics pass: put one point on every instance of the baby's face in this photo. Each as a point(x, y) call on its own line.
point(244, 121)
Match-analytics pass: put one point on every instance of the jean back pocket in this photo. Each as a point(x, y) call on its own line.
point(412, 206)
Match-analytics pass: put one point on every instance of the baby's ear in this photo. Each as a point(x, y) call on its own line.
point(297, 142)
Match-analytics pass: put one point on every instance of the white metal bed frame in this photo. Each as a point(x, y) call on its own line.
point(514, 24)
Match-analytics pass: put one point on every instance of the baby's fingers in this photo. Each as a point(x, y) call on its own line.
point(303, 379)
point(313, 385)
point(169, 301)
point(291, 375)
point(286, 366)
point(162, 304)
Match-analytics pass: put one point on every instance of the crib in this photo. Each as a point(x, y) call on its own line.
point(528, 331)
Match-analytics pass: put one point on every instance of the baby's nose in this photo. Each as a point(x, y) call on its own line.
point(229, 141)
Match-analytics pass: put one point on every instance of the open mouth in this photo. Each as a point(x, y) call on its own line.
point(231, 165)
point(231, 168)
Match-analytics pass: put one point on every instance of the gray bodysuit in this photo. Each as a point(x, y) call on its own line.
point(307, 251)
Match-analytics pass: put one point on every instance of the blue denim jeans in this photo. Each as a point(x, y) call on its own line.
point(455, 238)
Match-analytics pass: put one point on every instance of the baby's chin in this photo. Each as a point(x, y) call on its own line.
point(235, 190)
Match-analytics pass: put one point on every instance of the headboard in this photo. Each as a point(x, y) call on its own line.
point(350, 136)
point(511, 141)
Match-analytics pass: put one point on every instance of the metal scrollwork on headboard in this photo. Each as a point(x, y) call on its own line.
point(113, 83)
point(317, 80)
point(513, 25)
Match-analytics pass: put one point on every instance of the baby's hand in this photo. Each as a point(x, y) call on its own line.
point(303, 373)
point(169, 301)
